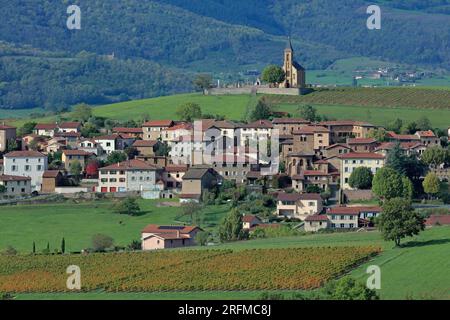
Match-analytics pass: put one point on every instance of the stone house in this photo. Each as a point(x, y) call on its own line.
point(196, 181)
point(299, 206)
point(15, 185)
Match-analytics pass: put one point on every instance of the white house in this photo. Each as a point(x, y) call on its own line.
point(26, 164)
point(15, 185)
point(351, 161)
point(107, 143)
point(130, 175)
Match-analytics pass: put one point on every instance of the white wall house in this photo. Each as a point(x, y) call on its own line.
point(107, 143)
point(26, 164)
point(130, 175)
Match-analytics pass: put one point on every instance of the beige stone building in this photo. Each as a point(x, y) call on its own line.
point(196, 181)
point(286, 126)
point(15, 185)
point(351, 161)
point(153, 130)
point(297, 205)
point(7, 133)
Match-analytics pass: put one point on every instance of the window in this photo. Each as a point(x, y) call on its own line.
point(27, 168)
point(13, 168)
point(113, 180)
point(342, 225)
point(39, 168)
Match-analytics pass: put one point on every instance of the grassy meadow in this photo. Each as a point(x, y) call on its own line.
point(78, 222)
point(378, 105)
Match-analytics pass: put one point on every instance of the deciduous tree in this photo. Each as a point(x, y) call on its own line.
point(361, 178)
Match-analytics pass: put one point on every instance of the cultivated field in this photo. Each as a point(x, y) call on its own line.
point(184, 270)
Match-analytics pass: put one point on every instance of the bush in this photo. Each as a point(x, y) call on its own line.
point(10, 251)
point(349, 289)
point(202, 238)
point(128, 206)
point(101, 242)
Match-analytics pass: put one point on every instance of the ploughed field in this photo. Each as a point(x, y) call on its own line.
point(184, 270)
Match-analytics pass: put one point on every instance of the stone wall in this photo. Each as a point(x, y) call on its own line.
point(257, 90)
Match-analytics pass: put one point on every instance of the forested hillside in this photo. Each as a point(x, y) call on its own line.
point(159, 44)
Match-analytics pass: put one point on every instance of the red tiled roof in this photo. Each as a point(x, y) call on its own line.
point(69, 125)
point(130, 165)
point(127, 130)
point(24, 154)
point(68, 134)
point(314, 173)
point(311, 130)
point(181, 126)
point(426, 134)
point(395, 136)
point(366, 155)
point(45, 126)
point(249, 218)
point(438, 219)
point(176, 168)
point(317, 217)
point(51, 173)
point(76, 153)
point(403, 145)
point(4, 177)
point(145, 143)
point(5, 127)
point(298, 196)
point(158, 123)
point(170, 232)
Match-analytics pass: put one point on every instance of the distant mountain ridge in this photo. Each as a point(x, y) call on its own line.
point(180, 37)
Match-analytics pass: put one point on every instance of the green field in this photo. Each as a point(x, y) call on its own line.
point(377, 105)
point(77, 223)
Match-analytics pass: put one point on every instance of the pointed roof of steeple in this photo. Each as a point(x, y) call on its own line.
point(289, 44)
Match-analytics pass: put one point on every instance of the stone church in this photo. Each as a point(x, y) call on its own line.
point(295, 73)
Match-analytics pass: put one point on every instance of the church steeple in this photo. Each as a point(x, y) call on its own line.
point(289, 45)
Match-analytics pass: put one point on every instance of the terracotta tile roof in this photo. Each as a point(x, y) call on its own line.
point(403, 145)
point(158, 123)
point(5, 127)
point(438, 219)
point(145, 143)
point(45, 126)
point(4, 177)
point(298, 196)
point(249, 218)
point(170, 232)
point(365, 155)
point(68, 134)
point(311, 130)
point(317, 217)
point(69, 125)
point(181, 126)
point(426, 134)
point(290, 121)
point(25, 154)
point(77, 153)
point(51, 173)
point(176, 168)
point(314, 173)
point(395, 136)
point(130, 165)
point(127, 130)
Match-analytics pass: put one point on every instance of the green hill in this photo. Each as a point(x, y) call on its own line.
point(378, 106)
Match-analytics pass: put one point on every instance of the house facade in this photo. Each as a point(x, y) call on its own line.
point(155, 237)
point(299, 206)
point(351, 161)
point(7, 133)
point(130, 175)
point(30, 164)
point(15, 185)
